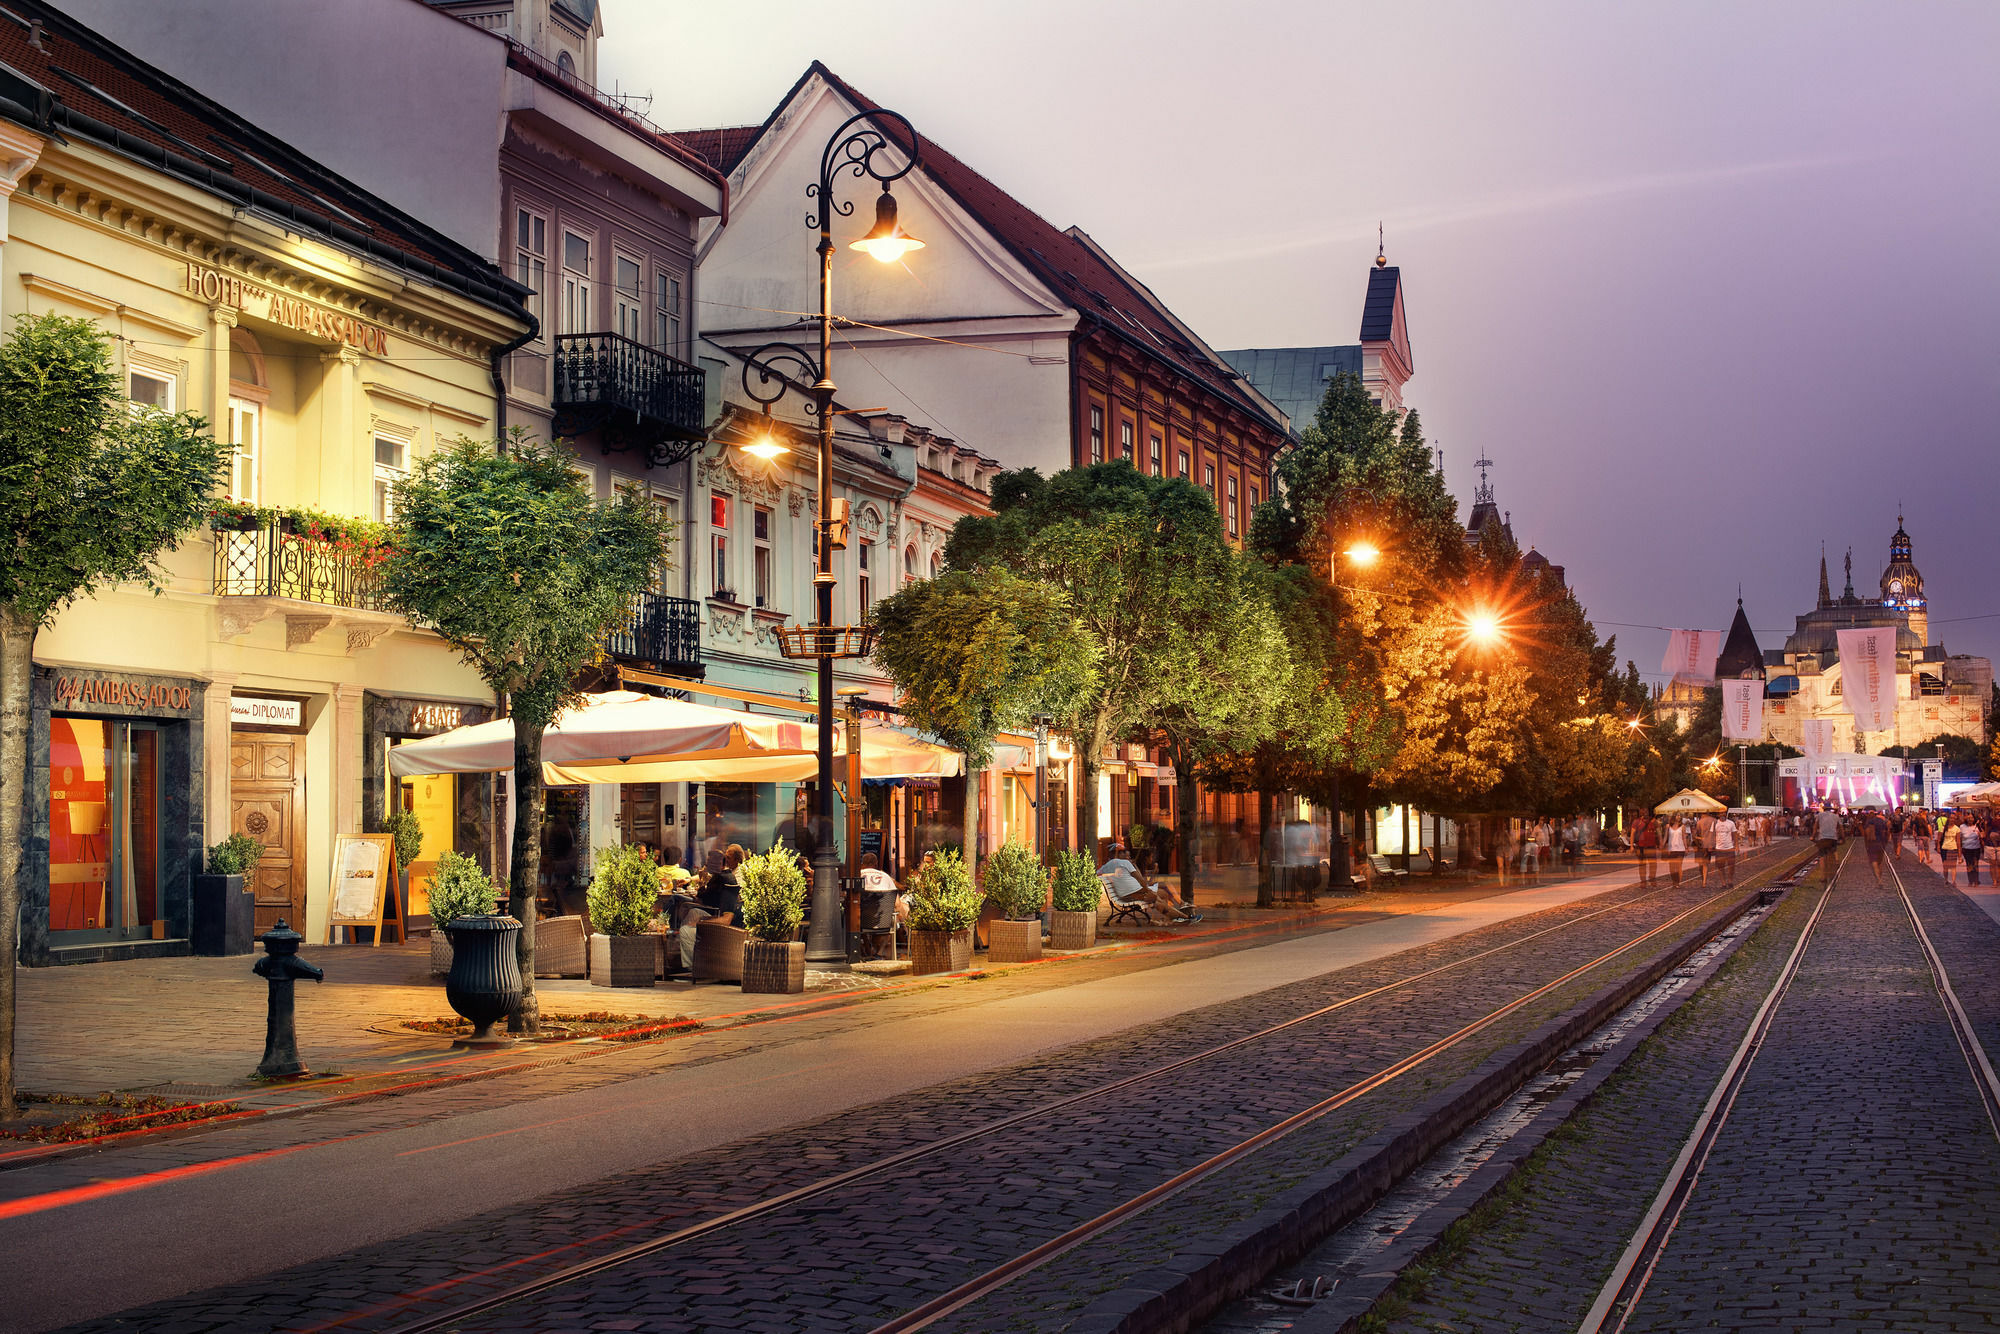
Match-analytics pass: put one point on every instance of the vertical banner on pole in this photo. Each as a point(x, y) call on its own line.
point(1868, 676)
point(1816, 738)
point(1691, 655)
point(1743, 710)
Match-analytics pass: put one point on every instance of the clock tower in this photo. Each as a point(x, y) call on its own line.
point(1903, 586)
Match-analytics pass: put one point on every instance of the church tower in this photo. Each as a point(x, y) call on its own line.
point(1903, 585)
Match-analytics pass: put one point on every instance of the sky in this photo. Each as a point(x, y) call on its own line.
point(1711, 284)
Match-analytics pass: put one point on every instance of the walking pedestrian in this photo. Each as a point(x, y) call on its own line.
point(1645, 840)
point(1723, 834)
point(1920, 834)
point(1676, 848)
point(1827, 834)
point(1704, 842)
point(1948, 849)
point(1875, 833)
point(1972, 842)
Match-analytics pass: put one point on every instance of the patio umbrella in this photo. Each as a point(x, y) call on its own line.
point(1982, 794)
point(1688, 801)
point(609, 727)
point(887, 751)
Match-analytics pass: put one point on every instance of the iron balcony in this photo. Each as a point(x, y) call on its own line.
point(631, 395)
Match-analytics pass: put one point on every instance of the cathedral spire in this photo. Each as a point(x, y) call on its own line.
point(1825, 593)
point(1848, 596)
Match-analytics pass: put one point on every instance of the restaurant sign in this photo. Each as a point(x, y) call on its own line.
point(253, 711)
point(228, 289)
point(115, 692)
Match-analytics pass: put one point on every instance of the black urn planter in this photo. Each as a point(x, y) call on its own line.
point(225, 916)
point(485, 981)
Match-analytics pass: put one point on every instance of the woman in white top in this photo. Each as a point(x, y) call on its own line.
point(1674, 847)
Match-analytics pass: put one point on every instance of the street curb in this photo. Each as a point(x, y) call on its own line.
point(1181, 1294)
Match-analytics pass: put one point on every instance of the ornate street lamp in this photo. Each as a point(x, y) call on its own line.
point(862, 147)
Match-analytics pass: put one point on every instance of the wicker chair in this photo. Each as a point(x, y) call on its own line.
point(718, 952)
point(561, 948)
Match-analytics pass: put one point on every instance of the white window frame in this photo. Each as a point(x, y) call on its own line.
point(764, 592)
point(531, 265)
point(388, 474)
point(667, 312)
point(718, 542)
point(1096, 434)
point(160, 377)
point(1126, 447)
point(629, 308)
point(243, 464)
point(579, 311)
point(663, 578)
point(864, 576)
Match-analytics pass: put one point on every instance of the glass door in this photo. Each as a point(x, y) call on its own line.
point(104, 829)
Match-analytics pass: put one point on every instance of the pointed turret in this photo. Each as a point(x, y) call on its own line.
point(1740, 656)
point(1825, 593)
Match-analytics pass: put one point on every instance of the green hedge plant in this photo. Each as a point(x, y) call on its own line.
point(235, 855)
point(1077, 887)
point(942, 896)
point(624, 890)
point(773, 886)
point(1015, 882)
point(408, 832)
point(459, 888)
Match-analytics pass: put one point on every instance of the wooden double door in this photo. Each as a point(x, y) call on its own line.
point(267, 802)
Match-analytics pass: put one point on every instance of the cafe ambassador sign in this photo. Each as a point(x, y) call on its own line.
point(227, 289)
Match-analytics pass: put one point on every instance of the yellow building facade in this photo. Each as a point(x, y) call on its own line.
point(333, 343)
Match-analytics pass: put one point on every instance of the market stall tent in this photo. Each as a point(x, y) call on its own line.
point(1689, 801)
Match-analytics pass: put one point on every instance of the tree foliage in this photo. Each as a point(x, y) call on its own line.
point(92, 492)
point(506, 555)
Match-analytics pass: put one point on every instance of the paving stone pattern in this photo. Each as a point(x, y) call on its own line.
point(882, 1246)
point(1854, 1188)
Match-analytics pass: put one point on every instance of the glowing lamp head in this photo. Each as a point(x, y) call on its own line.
point(886, 240)
point(765, 445)
point(1363, 554)
point(1482, 627)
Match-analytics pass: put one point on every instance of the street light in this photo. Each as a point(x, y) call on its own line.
point(1482, 628)
point(861, 147)
point(1363, 554)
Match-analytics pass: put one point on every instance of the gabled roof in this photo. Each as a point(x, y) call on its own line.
point(1740, 655)
point(1068, 262)
point(1382, 312)
point(722, 148)
point(58, 76)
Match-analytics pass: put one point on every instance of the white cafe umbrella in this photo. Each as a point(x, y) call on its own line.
point(1687, 801)
point(886, 752)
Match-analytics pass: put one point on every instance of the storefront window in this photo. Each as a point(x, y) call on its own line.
point(104, 827)
point(433, 799)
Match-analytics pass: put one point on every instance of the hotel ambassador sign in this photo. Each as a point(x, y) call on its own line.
point(215, 286)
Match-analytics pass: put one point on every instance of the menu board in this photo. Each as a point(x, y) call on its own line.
point(364, 885)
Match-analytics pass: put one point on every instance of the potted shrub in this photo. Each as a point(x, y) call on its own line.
point(459, 888)
point(1073, 923)
point(1139, 846)
point(1016, 884)
point(773, 886)
point(408, 832)
point(624, 891)
point(943, 906)
point(225, 911)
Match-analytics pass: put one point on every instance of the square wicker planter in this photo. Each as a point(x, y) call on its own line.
point(940, 951)
point(623, 961)
point(1013, 942)
point(440, 952)
point(1072, 930)
point(774, 967)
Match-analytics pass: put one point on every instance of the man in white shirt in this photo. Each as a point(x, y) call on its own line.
point(1827, 834)
point(1162, 909)
point(1723, 833)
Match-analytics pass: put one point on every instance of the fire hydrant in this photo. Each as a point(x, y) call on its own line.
point(281, 966)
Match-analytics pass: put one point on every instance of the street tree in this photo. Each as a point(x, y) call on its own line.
point(1121, 545)
point(506, 555)
point(977, 652)
point(92, 492)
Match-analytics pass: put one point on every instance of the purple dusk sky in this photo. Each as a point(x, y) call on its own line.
point(1710, 283)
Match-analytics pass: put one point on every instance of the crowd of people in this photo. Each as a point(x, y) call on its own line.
point(1950, 841)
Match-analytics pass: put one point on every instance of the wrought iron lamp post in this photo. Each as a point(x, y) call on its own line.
point(863, 147)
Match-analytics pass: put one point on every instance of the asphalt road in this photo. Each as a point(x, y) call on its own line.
point(160, 1221)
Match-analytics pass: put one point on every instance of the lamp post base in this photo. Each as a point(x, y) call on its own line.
point(826, 942)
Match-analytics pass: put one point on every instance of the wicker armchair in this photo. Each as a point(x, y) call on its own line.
point(718, 952)
point(561, 948)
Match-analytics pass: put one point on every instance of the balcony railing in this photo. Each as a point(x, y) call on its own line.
point(269, 562)
point(664, 634)
point(634, 396)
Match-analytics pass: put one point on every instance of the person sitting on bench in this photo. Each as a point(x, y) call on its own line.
point(1163, 909)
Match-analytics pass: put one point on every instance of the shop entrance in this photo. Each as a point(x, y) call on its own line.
point(104, 829)
point(267, 802)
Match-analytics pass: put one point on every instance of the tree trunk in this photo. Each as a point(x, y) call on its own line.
point(1086, 804)
point(1337, 859)
point(1185, 805)
point(1266, 891)
point(17, 648)
point(971, 823)
point(525, 867)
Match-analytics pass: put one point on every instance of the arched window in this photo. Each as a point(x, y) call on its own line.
point(565, 66)
point(937, 563)
point(248, 392)
point(910, 563)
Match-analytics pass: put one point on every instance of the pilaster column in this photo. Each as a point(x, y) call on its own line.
point(221, 320)
point(215, 753)
point(347, 759)
point(346, 471)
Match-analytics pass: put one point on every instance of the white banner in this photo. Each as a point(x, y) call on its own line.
point(1868, 677)
point(1691, 654)
point(1817, 738)
point(1743, 710)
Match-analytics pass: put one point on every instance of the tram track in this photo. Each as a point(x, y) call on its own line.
point(1619, 1297)
point(462, 1314)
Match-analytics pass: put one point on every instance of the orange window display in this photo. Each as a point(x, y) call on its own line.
point(433, 798)
point(104, 826)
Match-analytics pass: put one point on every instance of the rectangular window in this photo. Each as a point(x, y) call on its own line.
point(1256, 499)
point(1153, 451)
point(1097, 435)
point(761, 535)
point(1208, 478)
point(629, 297)
point(667, 314)
point(531, 257)
point(105, 830)
point(150, 389)
point(1125, 441)
point(866, 581)
point(1186, 472)
point(1230, 512)
point(246, 423)
point(718, 545)
point(670, 507)
point(577, 312)
point(392, 463)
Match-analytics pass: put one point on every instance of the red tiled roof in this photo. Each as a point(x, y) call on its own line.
point(138, 108)
point(721, 148)
point(1065, 262)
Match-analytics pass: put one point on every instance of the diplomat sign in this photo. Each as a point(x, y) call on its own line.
point(228, 289)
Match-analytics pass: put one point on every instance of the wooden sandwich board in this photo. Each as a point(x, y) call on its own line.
point(364, 886)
